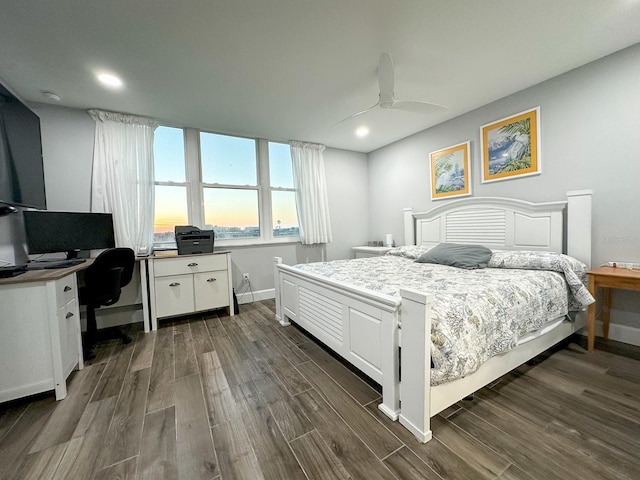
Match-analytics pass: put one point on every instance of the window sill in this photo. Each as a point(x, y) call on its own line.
point(226, 244)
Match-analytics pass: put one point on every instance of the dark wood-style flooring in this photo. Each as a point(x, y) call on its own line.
point(218, 397)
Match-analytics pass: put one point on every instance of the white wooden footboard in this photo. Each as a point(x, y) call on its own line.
point(359, 325)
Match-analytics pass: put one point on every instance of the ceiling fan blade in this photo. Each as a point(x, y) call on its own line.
point(385, 77)
point(355, 115)
point(420, 107)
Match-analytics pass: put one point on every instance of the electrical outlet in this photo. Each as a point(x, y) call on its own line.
point(245, 277)
point(629, 265)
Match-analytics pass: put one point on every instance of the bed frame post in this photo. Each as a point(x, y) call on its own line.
point(415, 361)
point(390, 352)
point(276, 283)
point(579, 225)
point(409, 226)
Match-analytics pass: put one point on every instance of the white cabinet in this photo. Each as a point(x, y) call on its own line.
point(40, 341)
point(183, 284)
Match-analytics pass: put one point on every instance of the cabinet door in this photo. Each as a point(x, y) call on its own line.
point(69, 325)
point(174, 295)
point(211, 290)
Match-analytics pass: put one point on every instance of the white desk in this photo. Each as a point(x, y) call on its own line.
point(40, 338)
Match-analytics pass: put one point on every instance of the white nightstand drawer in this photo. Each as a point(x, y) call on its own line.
point(190, 264)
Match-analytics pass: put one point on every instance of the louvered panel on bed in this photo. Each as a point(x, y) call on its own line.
point(324, 313)
point(486, 227)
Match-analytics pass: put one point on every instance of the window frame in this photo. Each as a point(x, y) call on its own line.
point(195, 190)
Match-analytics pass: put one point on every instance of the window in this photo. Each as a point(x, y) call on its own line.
point(230, 185)
point(171, 190)
point(242, 188)
point(283, 196)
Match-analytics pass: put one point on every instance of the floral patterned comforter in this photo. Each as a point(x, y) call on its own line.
point(476, 314)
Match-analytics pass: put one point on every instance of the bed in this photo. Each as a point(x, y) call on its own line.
point(385, 334)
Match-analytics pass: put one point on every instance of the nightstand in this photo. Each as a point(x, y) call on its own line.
point(607, 278)
point(363, 252)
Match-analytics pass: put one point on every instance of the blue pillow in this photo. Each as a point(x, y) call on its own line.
point(457, 255)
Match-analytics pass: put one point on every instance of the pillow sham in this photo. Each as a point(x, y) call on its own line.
point(457, 255)
point(575, 272)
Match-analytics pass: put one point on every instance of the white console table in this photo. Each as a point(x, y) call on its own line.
point(175, 284)
point(40, 339)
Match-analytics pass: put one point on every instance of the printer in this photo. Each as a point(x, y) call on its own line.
point(191, 240)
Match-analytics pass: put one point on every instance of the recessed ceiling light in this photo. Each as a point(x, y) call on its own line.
point(51, 96)
point(362, 132)
point(110, 80)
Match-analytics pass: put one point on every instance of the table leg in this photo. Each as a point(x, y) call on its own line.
point(591, 317)
point(606, 309)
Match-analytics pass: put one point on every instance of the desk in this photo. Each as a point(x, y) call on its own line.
point(40, 338)
point(607, 278)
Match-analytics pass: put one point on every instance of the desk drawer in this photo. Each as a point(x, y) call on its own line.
point(193, 264)
point(66, 289)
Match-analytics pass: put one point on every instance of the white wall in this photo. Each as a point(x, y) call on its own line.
point(589, 130)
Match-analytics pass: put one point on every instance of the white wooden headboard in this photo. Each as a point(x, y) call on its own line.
point(507, 223)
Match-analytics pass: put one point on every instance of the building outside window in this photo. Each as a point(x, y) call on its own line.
point(242, 188)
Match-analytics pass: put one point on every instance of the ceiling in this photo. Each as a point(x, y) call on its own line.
point(291, 69)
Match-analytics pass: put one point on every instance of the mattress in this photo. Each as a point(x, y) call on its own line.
point(476, 314)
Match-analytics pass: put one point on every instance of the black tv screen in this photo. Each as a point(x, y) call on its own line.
point(52, 232)
point(21, 170)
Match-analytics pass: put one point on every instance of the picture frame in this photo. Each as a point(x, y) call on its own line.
point(511, 147)
point(450, 169)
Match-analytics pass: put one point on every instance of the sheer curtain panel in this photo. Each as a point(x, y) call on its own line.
point(122, 182)
point(311, 192)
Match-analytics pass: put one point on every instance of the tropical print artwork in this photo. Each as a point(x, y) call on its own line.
point(511, 147)
point(450, 174)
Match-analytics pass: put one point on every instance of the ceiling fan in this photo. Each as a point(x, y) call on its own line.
point(386, 98)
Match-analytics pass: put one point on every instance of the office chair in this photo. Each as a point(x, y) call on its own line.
point(103, 282)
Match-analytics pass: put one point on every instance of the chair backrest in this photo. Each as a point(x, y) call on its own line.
point(109, 272)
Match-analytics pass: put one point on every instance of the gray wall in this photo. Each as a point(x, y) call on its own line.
point(590, 127)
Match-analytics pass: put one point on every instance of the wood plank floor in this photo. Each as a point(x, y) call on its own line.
point(218, 397)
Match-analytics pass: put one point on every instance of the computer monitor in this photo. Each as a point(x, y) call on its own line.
point(69, 232)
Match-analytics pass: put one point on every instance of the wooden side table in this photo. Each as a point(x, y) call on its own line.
point(607, 278)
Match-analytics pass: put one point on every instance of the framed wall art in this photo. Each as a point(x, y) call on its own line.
point(511, 147)
point(451, 172)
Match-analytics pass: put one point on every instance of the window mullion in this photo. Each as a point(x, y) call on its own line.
point(264, 191)
point(194, 189)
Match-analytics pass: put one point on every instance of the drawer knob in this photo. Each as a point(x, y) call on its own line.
point(211, 279)
point(66, 288)
point(68, 315)
point(194, 264)
point(174, 284)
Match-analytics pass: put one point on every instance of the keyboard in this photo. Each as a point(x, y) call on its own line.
point(54, 264)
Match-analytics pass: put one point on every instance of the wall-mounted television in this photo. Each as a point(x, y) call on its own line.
point(21, 169)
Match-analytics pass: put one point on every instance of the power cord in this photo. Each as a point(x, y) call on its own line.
point(245, 289)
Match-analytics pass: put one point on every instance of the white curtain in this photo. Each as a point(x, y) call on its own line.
point(123, 180)
point(311, 192)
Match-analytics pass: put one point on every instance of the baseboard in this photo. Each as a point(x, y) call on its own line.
point(619, 333)
point(257, 296)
